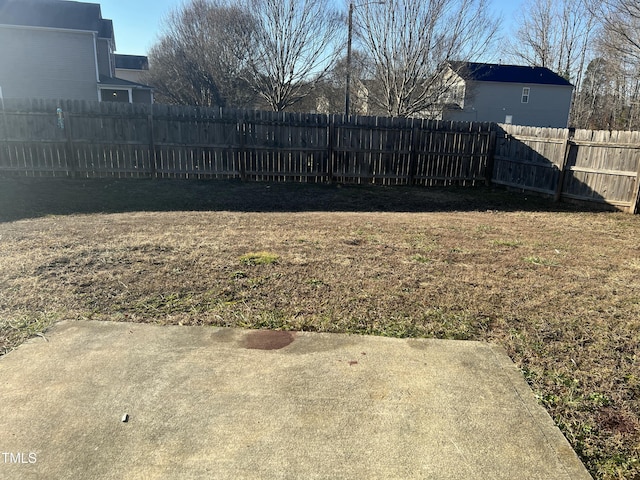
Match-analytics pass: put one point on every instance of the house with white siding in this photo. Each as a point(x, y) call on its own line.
point(512, 94)
point(61, 50)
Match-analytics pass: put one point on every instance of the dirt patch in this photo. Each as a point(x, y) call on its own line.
point(622, 423)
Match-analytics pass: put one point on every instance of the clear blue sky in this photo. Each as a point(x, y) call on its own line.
point(137, 23)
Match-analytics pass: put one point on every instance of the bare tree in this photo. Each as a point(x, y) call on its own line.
point(556, 34)
point(537, 34)
point(336, 85)
point(408, 43)
point(595, 105)
point(294, 45)
point(621, 40)
point(609, 96)
point(579, 27)
point(621, 28)
point(199, 58)
point(620, 91)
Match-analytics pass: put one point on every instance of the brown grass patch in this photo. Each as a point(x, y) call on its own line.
point(560, 291)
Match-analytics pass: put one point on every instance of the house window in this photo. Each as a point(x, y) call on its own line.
point(525, 94)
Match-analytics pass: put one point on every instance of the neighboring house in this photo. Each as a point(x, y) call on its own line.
point(481, 92)
point(329, 98)
point(131, 67)
point(62, 50)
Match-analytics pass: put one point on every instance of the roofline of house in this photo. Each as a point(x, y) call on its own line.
point(458, 73)
point(131, 55)
point(572, 87)
point(104, 83)
point(469, 80)
point(58, 29)
point(107, 86)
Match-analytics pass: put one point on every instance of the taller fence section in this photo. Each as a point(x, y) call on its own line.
point(593, 166)
point(603, 166)
point(529, 158)
point(71, 138)
point(409, 151)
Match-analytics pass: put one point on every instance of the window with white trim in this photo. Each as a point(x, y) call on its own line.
point(525, 94)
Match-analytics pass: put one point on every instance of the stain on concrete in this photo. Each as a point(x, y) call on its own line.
point(268, 339)
point(224, 335)
point(311, 343)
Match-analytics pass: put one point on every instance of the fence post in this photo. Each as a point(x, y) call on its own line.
point(413, 157)
point(635, 201)
point(563, 164)
point(331, 133)
point(5, 129)
point(6, 136)
point(152, 146)
point(242, 131)
point(72, 163)
point(491, 154)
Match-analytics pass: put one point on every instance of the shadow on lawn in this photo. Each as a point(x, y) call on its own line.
point(35, 197)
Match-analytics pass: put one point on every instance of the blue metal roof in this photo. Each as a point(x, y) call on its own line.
point(488, 72)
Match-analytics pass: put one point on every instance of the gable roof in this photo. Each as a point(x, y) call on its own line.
point(488, 72)
point(132, 62)
point(56, 14)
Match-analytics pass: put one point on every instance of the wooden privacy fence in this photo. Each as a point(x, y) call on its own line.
point(123, 140)
point(80, 139)
point(594, 166)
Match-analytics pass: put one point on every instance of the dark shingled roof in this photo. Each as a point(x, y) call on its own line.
point(120, 82)
point(487, 72)
point(132, 62)
point(56, 14)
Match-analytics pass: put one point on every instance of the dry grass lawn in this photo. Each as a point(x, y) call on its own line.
point(559, 290)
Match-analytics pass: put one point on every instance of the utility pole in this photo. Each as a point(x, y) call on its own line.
point(347, 100)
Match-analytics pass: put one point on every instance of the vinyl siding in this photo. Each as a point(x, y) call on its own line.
point(46, 63)
point(548, 105)
point(131, 75)
point(104, 66)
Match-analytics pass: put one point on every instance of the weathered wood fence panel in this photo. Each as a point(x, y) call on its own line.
point(530, 158)
point(371, 150)
point(107, 142)
point(122, 140)
point(82, 139)
point(401, 151)
point(453, 153)
point(38, 152)
point(284, 147)
point(594, 166)
point(603, 166)
point(192, 143)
